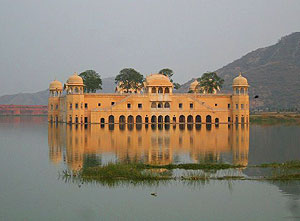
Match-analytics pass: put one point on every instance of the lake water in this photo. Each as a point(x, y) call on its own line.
point(33, 153)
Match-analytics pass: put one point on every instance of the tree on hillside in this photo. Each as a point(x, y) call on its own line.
point(91, 80)
point(169, 73)
point(210, 82)
point(128, 78)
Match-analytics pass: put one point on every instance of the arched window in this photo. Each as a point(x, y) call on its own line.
point(217, 121)
point(160, 105)
point(153, 105)
point(167, 90)
point(167, 105)
point(138, 119)
point(153, 119)
point(160, 90)
point(111, 119)
point(198, 119)
point(130, 119)
point(167, 119)
point(208, 119)
point(153, 90)
point(190, 119)
point(182, 119)
point(102, 120)
point(122, 119)
point(160, 119)
point(76, 90)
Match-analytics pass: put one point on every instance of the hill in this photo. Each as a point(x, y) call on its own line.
point(273, 74)
point(41, 97)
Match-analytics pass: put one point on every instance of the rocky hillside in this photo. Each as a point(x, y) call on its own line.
point(41, 97)
point(273, 73)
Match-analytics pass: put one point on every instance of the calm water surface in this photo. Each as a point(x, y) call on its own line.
point(32, 153)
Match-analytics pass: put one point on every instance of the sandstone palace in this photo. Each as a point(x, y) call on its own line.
point(155, 103)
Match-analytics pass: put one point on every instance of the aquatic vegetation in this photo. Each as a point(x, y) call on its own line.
point(286, 165)
point(138, 173)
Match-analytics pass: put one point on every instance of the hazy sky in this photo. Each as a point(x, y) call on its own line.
point(41, 40)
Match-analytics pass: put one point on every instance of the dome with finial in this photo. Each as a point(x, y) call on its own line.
point(240, 81)
point(75, 80)
point(193, 85)
point(56, 86)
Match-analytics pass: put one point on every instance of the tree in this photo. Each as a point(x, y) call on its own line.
point(91, 80)
point(169, 73)
point(210, 82)
point(128, 78)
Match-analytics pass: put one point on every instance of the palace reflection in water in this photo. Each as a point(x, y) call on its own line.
point(84, 145)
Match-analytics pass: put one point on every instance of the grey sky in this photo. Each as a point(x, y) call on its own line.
point(43, 40)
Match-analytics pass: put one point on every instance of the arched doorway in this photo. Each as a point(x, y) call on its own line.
point(167, 119)
point(190, 119)
point(138, 119)
point(102, 120)
point(111, 119)
point(208, 119)
point(217, 121)
point(182, 119)
point(153, 119)
point(122, 119)
point(130, 119)
point(160, 119)
point(167, 105)
point(198, 119)
point(160, 90)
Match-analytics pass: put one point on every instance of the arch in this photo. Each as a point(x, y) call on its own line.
point(111, 119)
point(190, 119)
point(198, 119)
point(242, 90)
point(174, 120)
point(130, 119)
point(153, 105)
point(208, 119)
point(160, 105)
point(153, 119)
point(160, 90)
point(242, 119)
point(122, 119)
point(182, 119)
point(167, 119)
point(146, 119)
point(138, 119)
point(102, 120)
point(160, 119)
point(167, 105)
point(76, 90)
point(217, 121)
point(167, 90)
point(153, 90)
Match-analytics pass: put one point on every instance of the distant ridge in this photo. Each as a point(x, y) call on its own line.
point(273, 74)
point(41, 97)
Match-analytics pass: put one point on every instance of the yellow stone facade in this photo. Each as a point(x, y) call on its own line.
point(155, 103)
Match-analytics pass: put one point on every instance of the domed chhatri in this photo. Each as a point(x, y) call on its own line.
point(158, 80)
point(240, 81)
point(75, 80)
point(56, 86)
point(153, 102)
point(193, 85)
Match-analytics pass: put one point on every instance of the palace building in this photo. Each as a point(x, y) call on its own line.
point(155, 103)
